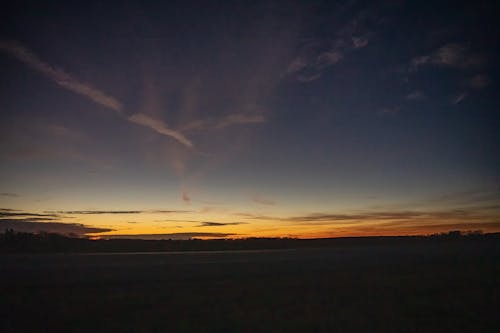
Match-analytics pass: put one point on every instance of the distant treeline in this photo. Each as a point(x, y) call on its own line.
point(22, 242)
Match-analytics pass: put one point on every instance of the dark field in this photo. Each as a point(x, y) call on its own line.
point(416, 287)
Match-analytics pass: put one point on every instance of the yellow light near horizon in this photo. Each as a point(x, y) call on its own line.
point(156, 223)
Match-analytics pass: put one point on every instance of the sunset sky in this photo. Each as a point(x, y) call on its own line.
point(205, 119)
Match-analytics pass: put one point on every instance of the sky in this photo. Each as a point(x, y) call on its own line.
point(213, 119)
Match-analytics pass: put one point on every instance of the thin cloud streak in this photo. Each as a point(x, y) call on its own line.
point(297, 65)
point(29, 225)
point(4, 212)
point(450, 55)
point(98, 212)
point(359, 42)
point(240, 118)
point(59, 76)
point(160, 127)
point(327, 59)
point(219, 224)
point(172, 236)
point(316, 56)
point(254, 216)
point(415, 95)
point(459, 98)
point(371, 215)
point(395, 218)
point(170, 211)
point(67, 81)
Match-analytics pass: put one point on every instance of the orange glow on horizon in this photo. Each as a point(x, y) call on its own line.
point(310, 233)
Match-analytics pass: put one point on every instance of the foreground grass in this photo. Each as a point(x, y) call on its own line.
point(391, 289)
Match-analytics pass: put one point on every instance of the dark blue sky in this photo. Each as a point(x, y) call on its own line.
point(305, 118)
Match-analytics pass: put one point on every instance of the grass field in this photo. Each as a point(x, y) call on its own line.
point(439, 287)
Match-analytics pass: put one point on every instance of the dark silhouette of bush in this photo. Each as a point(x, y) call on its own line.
point(15, 242)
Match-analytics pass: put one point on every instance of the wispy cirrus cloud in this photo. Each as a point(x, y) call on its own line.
point(359, 42)
point(307, 77)
point(310, 65)
point(458, 98)
point(456, 56)
point(160, 127)
point(459, 57)
point(59, 76)
point(328, 58)
point(315, 55)
point(297, 65)
point(226, 121)
point(450, 55)
point(68, 82)
point(415, 95)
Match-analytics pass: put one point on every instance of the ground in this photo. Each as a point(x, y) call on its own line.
point(417, 287)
